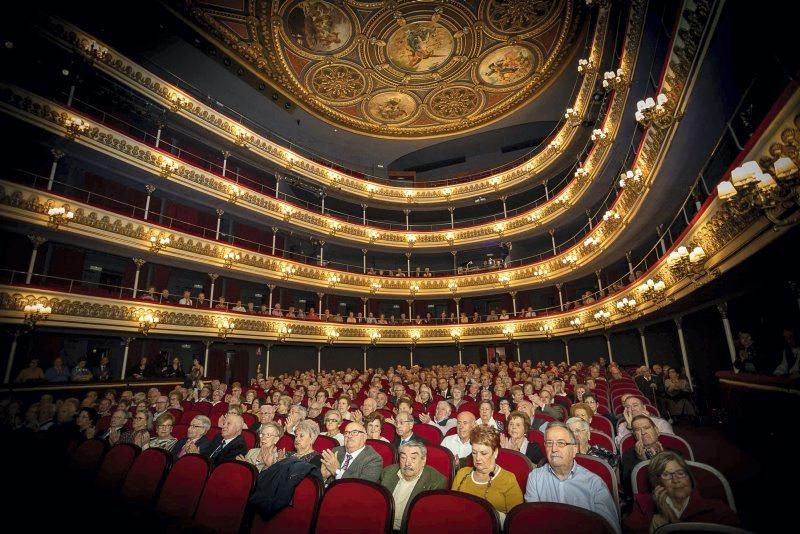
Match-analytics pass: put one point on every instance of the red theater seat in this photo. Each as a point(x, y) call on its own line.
point(224, 497)
point(450, 511)
point(350, 502)
point(556, 518)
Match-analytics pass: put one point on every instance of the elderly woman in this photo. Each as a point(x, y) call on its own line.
point(87, 421)
point(647, 446)
point(175, 399)
point(267, 453)
point(675, 499)
point(305, 433)
point(486, 410)
point(458, 396)
point(343, 407)
point(163, 438)
point(590, 400)
point(486, 479)
point(519, 423)
point(333, 419)
point(678, 396)
point(139, 433)
point(580, 427)
point(375, 426)
point(424, 397)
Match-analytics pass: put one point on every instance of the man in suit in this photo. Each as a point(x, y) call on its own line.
point(103, 371)
point(229, 443)
point(117, 424)
point(441, 419)
point(355, 459)
point(195, 441)
point(409, 478)
point(404, 422)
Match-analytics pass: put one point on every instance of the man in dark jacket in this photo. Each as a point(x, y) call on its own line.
point(195, 441)
point(229, 443)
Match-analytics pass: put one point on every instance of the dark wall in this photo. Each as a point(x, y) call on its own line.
point(627, 347)
point(588, 349)
point(537, 351)
point(662, 344)
point(288, 358)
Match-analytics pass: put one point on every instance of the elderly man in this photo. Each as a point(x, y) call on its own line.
point(296, 414)
point(459, 443)
point(195, 441)
point(409, 478)
point(381, 400)
point(117, 424)
point(266, 414)
point(162, 403)
point(633, 407)
point(563, 480)
point(354, 459)
point(441, 418)
point(404, 423)
point(544, 404)
point(229, 443)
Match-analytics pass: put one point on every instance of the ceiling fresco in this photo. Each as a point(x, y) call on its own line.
point(398, 69)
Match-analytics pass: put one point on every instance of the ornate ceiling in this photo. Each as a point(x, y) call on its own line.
point(399, 69)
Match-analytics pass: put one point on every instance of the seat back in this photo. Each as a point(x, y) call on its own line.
point(709, 482)
point(145, 477)
point(204, 408)
point(212, 433)
point(554, 517)
point(179, 431)
point(286, 442)
point(450, 511)
point(116, 464)
point(677, 443)
point(323, 443)
point(389, 431)
point(429, 433)
point(183, 487)
point(249, 419)
point(701, 527)
point(601, 439)
point(452, 431)
point(385, 450)
point(441, 459)
point(603, 470)
point(298, 517)
point(537, 436)
point(187, 416)
point(602, 424)
point(351, 501)
point(250, 438)
point(86, 458)
point(224, 498)
point(471, 407)
point(516, 463)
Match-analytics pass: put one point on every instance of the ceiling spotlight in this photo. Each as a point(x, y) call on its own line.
point(262, 86)
point(240, 71)
point(275, 96)
point(380, 166)
point(65, 72)
point(227, 61)
point(287, 105)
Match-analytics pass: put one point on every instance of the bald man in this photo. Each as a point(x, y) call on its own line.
point(355, 459)
point(229, 443)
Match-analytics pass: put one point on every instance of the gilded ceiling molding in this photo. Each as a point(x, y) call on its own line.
point(138, 79)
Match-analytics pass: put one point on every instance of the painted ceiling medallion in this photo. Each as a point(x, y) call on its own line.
point(395, 68)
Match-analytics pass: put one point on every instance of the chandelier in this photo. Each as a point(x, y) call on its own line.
point(631, 179)
point(683, 263)
point(655, 112)
point(332, 335)
point(231, 257)
point(602, 316)
point(577, 325)
point(547, 330)
point(614, 80)
point(283, 331)
point(36, 312)
point(626, 306)
point(586, 66)
point(572, 117)
point(750, 188)
point(225, 327)
point(59, 216)
point(374, 337)
point(147, 321)
point(653, 290)
point(159, 242)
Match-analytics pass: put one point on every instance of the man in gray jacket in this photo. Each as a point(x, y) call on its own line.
point(355, 459)
point(409, 478)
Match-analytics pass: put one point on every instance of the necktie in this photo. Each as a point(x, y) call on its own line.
point(346, 464)
point(218, 449)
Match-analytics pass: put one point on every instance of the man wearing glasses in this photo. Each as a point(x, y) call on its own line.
point(195, 441)
point(404, 422)
point(562, 480)
point(355, 459)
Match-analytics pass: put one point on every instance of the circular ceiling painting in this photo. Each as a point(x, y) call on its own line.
point(400, 69)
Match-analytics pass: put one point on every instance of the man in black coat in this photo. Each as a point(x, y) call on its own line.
point(229, 443)
point(404, 422)
point(195, 441)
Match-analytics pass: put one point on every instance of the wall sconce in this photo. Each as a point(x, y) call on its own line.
point(494, 182)
point(59, 216)
point(452, 286)
point(231, 257)
point(234, 194)
point(34, 313)
point(655, 112)
point(410, 194)
point(581, 174)
point(533, 217)
point(373, 235)
point(611, 218)
point(614, 80)
point(290, 158)
point(455, 334)
point(158, 242)
point(631, 179)
point(626, 306)
point(591, 242)
point(336, 180)
point(555, 145)
point(375, 287)
point(287, 211)
point(547, 330)
point(499, 229)
point(413, 289)
point(371, 190)
point(447, 192)
point(586, 66)
point(450, 237)
point(508, 331)
point(147, 322)
point(177, 101)
point(241, 136)
point(374, 337)
point(652, 290)
point(75, 126)
point(332, 335)
point(603, 317)
point(572, 117)
point(600, 136)
point(750, 187)
point(684, 263)
point(333, 280)
point(540, 272)
point(167, 166)
point(504, 279)
point(411, 239)
point(334, 226)
point(283, 331)
point(570, 260)
point(94, 50)
point(414, 336)
point(287, 270)
point(577, 325)
point(225, 327)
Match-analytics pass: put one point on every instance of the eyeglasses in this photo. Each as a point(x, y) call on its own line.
point(269, 436)
point(678, 474)
point(560, 444)
point(353, 432)
point(196, 426)
point(403, 422)
point(333, 420)
point(164, 426)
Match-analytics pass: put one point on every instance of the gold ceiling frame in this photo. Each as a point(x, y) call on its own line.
point(132, 75)
point(144, 157)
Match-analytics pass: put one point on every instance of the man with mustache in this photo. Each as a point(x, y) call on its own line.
point(409, 478)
